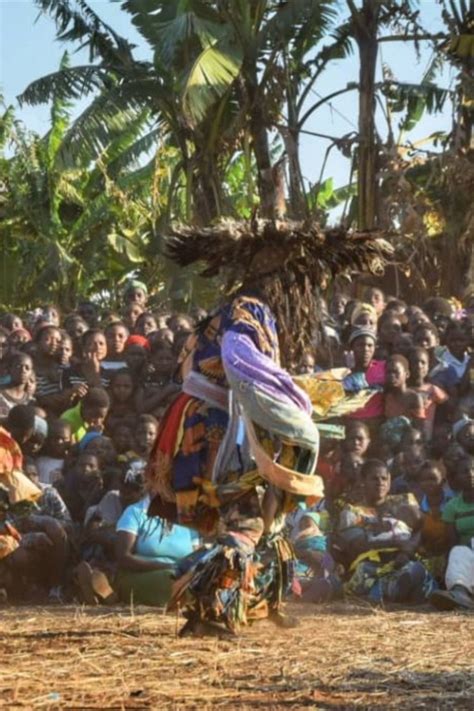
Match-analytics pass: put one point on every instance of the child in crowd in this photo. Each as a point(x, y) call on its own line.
point(122, 435)
point(411, 458)
point(50, 463)
point(81, 486)
point(161, 389)
point(89, 414)
point(122, 399)
point(432, 395)
point(145, 435)
point(20, 389)
point(116, 336)
point(458, 514)
point(401, 401)
point(434, 532)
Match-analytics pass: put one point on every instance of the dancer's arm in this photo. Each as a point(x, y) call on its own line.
point(270, 507)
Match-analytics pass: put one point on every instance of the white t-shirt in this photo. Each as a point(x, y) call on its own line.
point(49, 469)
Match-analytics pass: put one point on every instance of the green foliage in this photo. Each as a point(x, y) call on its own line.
point(68, 228)
point(186, 135)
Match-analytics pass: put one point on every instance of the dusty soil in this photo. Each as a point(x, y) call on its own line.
point(340, 657)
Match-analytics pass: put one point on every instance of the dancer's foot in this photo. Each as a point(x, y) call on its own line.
point(286, 622)
point(202, 628)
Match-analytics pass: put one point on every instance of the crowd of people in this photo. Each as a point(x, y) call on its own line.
point(81, 400)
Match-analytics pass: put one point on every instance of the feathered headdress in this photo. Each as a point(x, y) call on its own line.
point(288, 260)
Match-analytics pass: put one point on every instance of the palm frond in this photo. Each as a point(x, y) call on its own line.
point(313, 17)
point(76, 21)
point(211, 75)
point(69, 83)
point(110, 114)
point(129, 157)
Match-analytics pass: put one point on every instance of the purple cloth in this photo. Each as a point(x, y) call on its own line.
point(244, 362)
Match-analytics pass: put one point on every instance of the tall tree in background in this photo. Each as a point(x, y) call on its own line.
point(216, 83)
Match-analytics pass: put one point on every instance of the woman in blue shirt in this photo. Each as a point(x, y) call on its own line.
point(148, 549)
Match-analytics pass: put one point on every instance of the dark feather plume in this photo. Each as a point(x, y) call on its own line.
point(289, 260)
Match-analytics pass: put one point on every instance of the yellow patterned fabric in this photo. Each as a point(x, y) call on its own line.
point(323, 392)
point(327, 394)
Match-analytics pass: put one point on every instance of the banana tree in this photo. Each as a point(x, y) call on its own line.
point(367, 20)
point(216, 82)
point(73, 226)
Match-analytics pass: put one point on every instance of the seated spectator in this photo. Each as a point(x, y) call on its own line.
point(43, 550)
point(88, 372)
point(440, 312)
point(123, 441)
point(434, 533)
point(366, 373)
point(81, 486)
point(364, 316)
point(401, 401)
point(453, 360)
point(146, 324)
point(379, 539)
point(136, 357)
point(161, 389)
point(463, 434)
point(389, 330)
point(458, 514)
point(131, 313)
point(50, 462)
point(123, 394)
point(136, 292)
point(145, 435)
point(89, 414)
point(376, 297)
point(432, 395)
point(147, 551)
point(102, 447)
point(408, 464)
point(20, 389)
point(116, 336)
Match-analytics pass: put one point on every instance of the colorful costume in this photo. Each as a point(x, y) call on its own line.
point(237, 448)
point(201, 462)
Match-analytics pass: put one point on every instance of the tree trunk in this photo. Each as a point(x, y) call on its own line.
point(298, 206)
point(366, 35)
point(261, 148)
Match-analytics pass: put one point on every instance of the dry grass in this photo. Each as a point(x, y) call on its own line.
point(340, 657)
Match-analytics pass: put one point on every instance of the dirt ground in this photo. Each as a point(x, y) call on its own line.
point(340, 657)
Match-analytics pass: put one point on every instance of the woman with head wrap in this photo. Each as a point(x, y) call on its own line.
point(364, 316)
